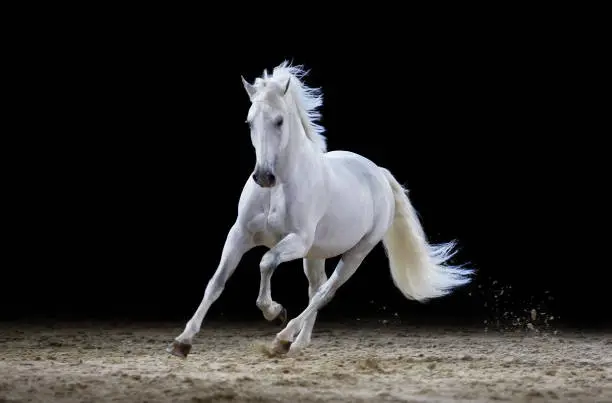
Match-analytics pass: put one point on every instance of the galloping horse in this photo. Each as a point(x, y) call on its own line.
point(303, 202)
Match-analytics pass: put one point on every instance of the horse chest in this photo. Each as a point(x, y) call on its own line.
point(276, 219)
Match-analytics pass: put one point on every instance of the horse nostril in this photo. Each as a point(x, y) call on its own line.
point(264, 178)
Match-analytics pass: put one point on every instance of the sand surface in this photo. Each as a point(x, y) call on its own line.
point(106, 362)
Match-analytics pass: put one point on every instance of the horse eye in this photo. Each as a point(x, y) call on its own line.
point(279, 122)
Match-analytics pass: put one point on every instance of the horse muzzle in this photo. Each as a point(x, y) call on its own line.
point(264, 178)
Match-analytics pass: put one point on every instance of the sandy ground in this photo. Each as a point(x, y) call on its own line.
point(104, 362)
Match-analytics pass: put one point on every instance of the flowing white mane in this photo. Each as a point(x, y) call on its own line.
point(307, 100)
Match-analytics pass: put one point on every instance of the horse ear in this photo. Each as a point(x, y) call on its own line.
point(287, 86)
point(248, 87)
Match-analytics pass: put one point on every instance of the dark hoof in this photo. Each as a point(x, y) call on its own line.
point(179, 349)
point(281, 347)
point(281, 319)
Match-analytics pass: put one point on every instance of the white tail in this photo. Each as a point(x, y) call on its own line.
point(418, 269)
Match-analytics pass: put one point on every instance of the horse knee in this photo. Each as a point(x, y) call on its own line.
point(268, 262)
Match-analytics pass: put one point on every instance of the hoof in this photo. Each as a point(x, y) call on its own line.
point(179, 349)
point(281, 319)
point(281, 347)
point(295, 350)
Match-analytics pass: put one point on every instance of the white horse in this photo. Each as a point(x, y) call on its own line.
point(303, 202)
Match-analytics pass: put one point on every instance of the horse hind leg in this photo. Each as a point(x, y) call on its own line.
point(346, 267)
point(315, 273)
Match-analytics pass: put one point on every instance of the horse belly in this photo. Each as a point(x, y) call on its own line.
point(341, 228)
point(330, 242)
point(351, 214)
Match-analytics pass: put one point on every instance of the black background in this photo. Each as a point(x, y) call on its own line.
point(131, 152)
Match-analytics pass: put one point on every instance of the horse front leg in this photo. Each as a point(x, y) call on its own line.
point(293, 246)
point(237, 243)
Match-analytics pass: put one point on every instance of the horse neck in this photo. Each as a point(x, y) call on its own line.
point(300, 155)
